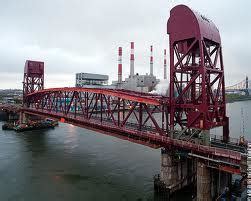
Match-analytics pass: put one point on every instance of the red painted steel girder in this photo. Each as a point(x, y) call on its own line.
point(124, 94)
point(197, 85)
point(123, 108)
point(106, 111)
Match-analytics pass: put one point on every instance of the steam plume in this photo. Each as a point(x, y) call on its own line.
point(161, 88)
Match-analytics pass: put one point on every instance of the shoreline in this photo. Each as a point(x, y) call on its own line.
point(238, 100)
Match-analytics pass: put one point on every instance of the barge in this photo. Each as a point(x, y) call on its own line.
point(37, 125)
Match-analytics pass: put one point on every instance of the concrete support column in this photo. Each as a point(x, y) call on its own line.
point(169, 169)
point(203, 182)
point(22, 118)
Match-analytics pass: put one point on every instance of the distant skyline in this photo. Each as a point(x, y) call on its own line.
point(73, 36)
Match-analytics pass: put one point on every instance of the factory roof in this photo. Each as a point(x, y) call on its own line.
point(92, 76)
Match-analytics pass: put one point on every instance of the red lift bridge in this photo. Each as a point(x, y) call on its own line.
point(196, 101)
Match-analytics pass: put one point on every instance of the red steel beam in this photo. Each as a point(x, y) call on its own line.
point(128, 95)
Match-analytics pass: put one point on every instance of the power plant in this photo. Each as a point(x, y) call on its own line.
point(135, 82)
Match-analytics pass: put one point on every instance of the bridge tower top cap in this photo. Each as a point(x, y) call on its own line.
point(35, 68)
point(185, 23)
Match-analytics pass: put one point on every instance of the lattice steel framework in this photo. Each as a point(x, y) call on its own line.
point(138, 117)
point(33, 77)
point(197, 86)
point(119, 107)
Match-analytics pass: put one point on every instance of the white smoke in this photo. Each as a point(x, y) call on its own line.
point(161, 88)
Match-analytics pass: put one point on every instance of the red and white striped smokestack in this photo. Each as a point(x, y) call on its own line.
point(132, 60)
point(120, 66)
point(151, 60)
point(165, 76)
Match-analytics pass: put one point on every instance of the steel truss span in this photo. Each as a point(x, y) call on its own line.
point(137, 116)
point(196, 101)
point(121, 108)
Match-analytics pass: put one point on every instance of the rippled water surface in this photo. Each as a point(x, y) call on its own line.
point(71, 163)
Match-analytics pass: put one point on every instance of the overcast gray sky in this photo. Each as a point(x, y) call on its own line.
point(83, 36)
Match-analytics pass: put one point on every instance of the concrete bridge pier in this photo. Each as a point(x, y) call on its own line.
point(22, 117)
point(169, 168)
point(176, 172)
point(203, 173)
point(203, 182)
point(211, 183)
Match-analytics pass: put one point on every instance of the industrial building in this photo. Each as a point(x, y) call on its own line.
point(91, 80)
point(136, 82)
point(142, 83)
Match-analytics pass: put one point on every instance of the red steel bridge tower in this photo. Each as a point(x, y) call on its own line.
point(197, 85)
point(33, 77)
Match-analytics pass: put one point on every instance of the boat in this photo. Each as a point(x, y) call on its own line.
point(37, 125)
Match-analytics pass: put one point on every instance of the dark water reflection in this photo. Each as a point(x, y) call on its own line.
point(71, 163)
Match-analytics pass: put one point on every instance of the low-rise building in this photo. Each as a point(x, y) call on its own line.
point(91, 80)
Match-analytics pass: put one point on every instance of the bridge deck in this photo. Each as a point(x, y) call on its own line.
point(226, 159)
point(140, 117)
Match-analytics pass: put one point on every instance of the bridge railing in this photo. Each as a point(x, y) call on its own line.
point(232, 140)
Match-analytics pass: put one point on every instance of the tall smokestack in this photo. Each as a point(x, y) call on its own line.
point(120, 66)
point(165, 64)
point(151, 60)
point(132, 60)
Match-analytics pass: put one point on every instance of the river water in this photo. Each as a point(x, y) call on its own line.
point(70, 163)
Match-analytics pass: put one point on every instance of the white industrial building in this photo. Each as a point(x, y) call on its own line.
point(91, 80)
